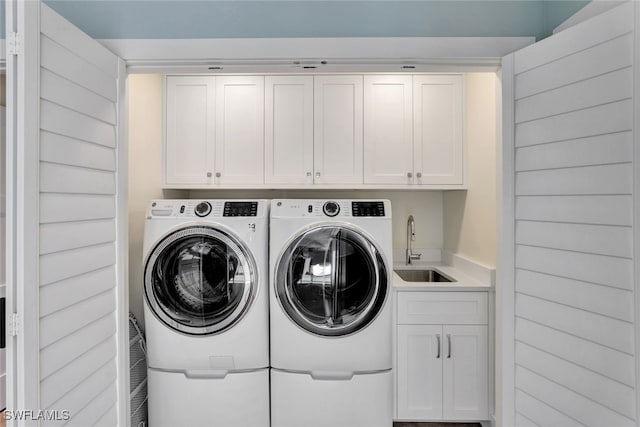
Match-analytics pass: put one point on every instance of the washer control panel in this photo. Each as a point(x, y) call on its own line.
point(240, 209)
point(207, 209)
point(313, 208)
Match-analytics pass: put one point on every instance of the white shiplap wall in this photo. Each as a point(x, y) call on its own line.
point(574, 172)
point(77, 216)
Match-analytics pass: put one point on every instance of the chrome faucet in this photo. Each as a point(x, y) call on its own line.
point(411, 236)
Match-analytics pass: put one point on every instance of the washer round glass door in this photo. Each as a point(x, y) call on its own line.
point(331, 280)
point(199, 280)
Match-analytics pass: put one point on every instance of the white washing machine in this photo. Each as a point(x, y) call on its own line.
point(206, 312)
point(330, 268)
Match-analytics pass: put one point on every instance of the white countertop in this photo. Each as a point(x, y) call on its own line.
point(463, 281)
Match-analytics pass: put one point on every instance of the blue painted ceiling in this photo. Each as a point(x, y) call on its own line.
point(313, 18)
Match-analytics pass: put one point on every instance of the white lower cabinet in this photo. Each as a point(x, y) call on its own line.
point(442, 371)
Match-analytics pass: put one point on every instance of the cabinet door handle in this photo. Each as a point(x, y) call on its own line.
point(438, 338)
point(218, 174)
point(317, 174)
point(449, 342)
point(209, 174)
point(419, 174)
point(409, 174)
point(308, 173)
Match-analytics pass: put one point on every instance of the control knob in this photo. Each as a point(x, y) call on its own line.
point(331, 209)
point(203, 209)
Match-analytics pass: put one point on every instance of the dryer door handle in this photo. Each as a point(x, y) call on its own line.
point(205, 374)
point(331, 375)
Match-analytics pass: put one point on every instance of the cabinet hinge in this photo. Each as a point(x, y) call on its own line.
point(13, 328)
point(13, 43)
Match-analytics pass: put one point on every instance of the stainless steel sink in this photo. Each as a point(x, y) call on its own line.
point(423, 276)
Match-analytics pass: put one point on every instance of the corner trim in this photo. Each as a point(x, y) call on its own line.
point(505, 278)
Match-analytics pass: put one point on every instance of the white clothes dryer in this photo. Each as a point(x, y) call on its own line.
point(206, 312)
point(330, 312)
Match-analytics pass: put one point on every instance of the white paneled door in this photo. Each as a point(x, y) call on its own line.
point(190, 129)
point(288, 130)
point(388, 133)
point(239, 122)
point(570, 277)
point(338, 127)
point(66, 257)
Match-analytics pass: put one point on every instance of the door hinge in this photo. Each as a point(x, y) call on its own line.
point(13, 43)
point(13, 328)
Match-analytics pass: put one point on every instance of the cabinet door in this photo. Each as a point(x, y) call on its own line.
point(190, 130)
point(337, 129)
point(239, 130)
point(419, 372)
point(465, 385)
point(388, 132)
point(288, 129)
point(438, 129)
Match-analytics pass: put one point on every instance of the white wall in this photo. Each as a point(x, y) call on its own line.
point(470, 216)
point(145, 171)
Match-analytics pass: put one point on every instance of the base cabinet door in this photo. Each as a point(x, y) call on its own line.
point(465, 367)
point(442, 373)
point(419, 373)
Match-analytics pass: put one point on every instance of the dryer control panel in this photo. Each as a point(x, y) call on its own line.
point(330, 209)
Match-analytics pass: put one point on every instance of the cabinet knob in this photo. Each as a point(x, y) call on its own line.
point(218, 174)
point(208, 174)
point(317, 174)
point(308, 173)
point(409, 174)
point(419, 174)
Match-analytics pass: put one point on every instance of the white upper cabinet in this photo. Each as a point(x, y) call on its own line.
point(388, 132)
point(239, 122)
point(438, 129)
point(338, 130)
point(190, 130)
point(288, 130)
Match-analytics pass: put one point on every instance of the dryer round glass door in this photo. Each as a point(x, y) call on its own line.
point(331, 280)
point(199, 280)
